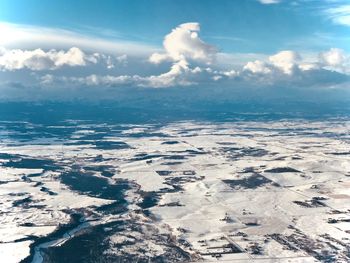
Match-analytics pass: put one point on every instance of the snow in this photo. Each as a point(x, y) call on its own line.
point(196, 202)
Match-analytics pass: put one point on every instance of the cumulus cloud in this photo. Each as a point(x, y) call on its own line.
point(157, 58)
point(285, 60)
point(179, 75)
point(38, 59)
point(184, 44)
point(175, 76)
point(192, 62)
point(334, 57)
point(257, 66)
point(289, 62)
point(283, 67)
point(290, 68)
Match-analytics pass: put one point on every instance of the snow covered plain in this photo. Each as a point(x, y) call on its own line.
point(276, 191)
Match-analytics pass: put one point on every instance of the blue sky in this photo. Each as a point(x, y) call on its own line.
point(234, 26)
point(165, 44)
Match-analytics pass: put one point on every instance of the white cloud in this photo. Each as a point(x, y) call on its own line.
point(285, 66)
point(108, 80)
point(285, 60)
point(335, 59)
point(290, 68)
point(236, 60)
point(305, 66)
point(38, 59)
point(50, 80)
point(257, 66)
point(183, 43)
point(340, 14)
point(192, 62)
point(179, 75)
point(157, 58)
point(181, 46)
point(229, 73)
point(268, 2)
point(17, 36)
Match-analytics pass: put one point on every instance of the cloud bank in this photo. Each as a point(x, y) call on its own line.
point(185, 61)
point(40, 60)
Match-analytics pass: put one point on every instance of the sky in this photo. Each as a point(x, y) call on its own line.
point(100, 49)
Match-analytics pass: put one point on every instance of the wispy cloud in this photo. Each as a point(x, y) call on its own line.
point(268, 2)
point(228, 38)
point(339, 14)
point(32, 37)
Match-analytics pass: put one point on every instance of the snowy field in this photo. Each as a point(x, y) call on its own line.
point(275, 191)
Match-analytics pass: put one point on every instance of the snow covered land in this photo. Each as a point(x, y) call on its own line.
point(275, 191)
